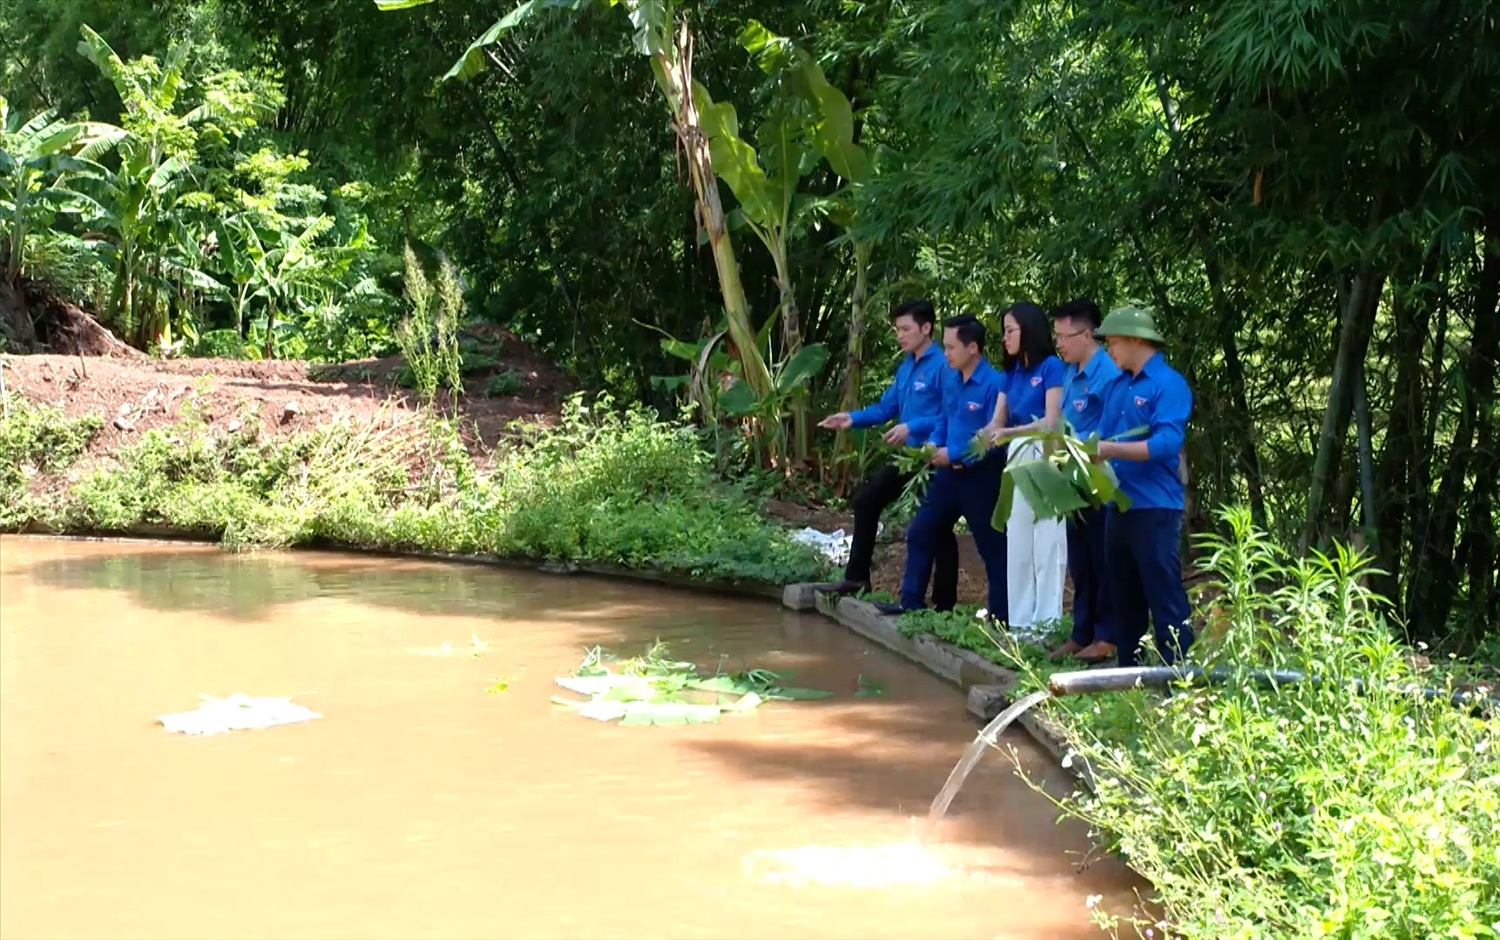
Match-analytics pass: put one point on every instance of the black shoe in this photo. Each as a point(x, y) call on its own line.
point(891, 610)
point(844, 587)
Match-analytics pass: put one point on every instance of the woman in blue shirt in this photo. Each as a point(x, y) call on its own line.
point(1037, 549)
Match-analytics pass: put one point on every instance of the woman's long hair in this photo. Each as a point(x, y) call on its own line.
point(1036, 336)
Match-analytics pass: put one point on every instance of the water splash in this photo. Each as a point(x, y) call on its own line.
point(859, 866)
point(985, 740)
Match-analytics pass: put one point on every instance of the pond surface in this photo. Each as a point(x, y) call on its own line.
point(424, 804)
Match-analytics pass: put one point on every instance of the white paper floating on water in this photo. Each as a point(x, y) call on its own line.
point(857, 866)
point(236, 713)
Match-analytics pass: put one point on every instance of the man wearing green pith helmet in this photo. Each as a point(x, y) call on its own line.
point(1144, 426)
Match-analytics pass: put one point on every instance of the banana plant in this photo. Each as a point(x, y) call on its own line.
point(35, 162)
point(293, 274)
point(809, 119)
point(789, 382)
point(134, 200)
point(705, 358)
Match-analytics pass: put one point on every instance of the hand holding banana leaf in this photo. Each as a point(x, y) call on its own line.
point(1069, 476)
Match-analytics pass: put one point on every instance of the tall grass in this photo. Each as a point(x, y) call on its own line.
point(428, 335)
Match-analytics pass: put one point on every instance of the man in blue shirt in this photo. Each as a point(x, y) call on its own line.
point(1152, 402)
point(914, 400)
point(1087, 383)
point(962, 486)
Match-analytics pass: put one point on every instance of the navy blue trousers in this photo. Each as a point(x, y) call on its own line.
point(1145, 582)
point(970, 493)
point(1089, 568)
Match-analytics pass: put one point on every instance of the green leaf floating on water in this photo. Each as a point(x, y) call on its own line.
point(653, 690)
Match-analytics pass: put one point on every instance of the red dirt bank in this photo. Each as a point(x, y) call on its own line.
point(138, 393)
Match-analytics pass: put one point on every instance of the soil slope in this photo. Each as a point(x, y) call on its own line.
point(138, 393)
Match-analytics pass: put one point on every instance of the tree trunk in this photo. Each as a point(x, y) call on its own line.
point(269, 351)
point(791, 342)
point(1398, 477)
point(1481, 543)
point(675, 75)
point(127, 294)
point(18, 228)
point(1368, 504)
point(854, 354)
point(1435, 575)
point(1239, 400)
point(1354, 338)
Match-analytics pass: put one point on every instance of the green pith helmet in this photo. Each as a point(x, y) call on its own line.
point(1130, 321)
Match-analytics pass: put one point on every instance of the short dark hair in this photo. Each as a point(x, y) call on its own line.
point(1080, 309)
point(967, 328)
point(1036, 338)
point(919, 310)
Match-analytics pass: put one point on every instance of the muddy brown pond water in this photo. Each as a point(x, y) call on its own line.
point(428, 804)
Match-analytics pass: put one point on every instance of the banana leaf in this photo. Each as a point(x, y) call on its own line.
point(1066, 478)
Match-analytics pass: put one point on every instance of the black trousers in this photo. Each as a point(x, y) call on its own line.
point(874, 496)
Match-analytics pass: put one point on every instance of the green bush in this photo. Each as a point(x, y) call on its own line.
point(1312, 810)
point(220, 344)
point(36, 439)
point(503, 383)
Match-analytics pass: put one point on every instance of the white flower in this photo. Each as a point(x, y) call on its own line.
point(1093, 900)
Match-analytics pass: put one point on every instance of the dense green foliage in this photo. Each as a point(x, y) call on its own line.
point(1299, 188)
point(1308, 810)
point(36, 439)
point(601, 487)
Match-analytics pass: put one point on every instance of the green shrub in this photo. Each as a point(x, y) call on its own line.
point(36, 438)
point(220, 344)
point(1312, 810)
point(503, 383)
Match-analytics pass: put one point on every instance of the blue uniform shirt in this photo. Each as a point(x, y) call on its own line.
point(968, 405)
point(1086, 390)
point(1026, 390)
point(1159, 399)
point(915, 397)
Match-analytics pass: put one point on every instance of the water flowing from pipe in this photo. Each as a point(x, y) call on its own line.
point(986, 739)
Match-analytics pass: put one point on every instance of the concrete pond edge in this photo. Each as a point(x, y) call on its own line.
point(989, 687)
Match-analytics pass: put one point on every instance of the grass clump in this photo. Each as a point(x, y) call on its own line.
point(1305, 811)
